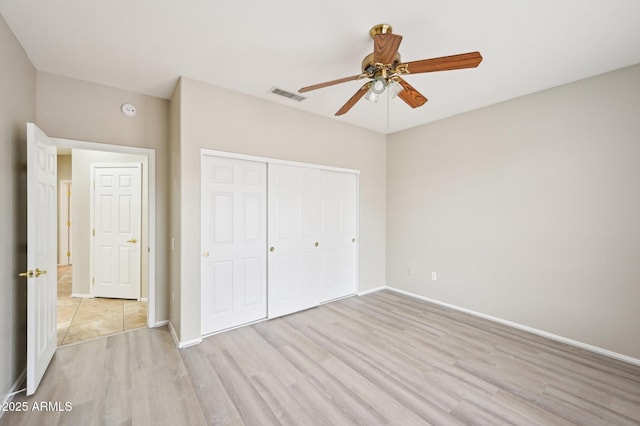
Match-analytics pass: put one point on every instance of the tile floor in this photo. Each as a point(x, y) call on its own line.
point(81, 319)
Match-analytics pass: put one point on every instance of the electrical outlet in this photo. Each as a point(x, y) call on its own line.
point(434, 276)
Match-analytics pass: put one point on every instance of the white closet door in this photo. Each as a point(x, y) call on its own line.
point(294, 225)
point(338, 235)
point(234, 241)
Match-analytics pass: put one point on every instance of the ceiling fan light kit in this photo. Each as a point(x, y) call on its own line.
point(384, 69)
point(371, 96)
point(378, 86)
point(395, 88)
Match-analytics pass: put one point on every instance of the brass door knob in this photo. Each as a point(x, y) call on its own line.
point(353, 240)
point(272, 249)
point(40, 272)
point(317, 244)
point(28, 274)
point(133, 241)
point(205, 254)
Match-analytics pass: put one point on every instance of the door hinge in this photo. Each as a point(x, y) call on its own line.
point(68, 224)
point(93, 281)
point(94, 232)
point(68, 254)
point(68, 193)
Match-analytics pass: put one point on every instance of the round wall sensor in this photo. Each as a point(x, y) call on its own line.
point(128, 110)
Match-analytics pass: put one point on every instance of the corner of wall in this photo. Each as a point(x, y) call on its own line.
point(175, 217)
point(17, 107)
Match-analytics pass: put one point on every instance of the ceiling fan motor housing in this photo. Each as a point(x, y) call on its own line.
point(369, 65)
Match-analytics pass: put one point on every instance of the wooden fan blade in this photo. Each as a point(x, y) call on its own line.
point(330, 83)
point(352, 101)
point(410, 95)
point(454, 62)
point(385, 47)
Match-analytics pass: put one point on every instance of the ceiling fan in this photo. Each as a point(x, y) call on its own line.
point(385, 70)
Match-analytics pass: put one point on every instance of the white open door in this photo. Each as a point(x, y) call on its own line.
point(117, 198)
point(41, 255)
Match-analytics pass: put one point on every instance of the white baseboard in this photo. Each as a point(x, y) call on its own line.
point(15, 388)
point(174, 336)
point(143, 299)
point(81, 295)
point(160, 323)
point(179, 344)
point(561, 339)
point(188, 343)
point(373, 290)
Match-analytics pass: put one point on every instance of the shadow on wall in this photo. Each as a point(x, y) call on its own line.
point(19, 138)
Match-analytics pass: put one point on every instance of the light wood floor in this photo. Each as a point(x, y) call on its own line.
point(373, 360)
point(80, 319)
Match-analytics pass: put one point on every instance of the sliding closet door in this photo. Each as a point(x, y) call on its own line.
point(338, 192)
point(234, 240)
point(294, 228)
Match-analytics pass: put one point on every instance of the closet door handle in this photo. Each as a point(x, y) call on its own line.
point(317, 244)
point(272, 248)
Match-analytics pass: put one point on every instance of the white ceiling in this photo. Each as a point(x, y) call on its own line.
point(250, 46)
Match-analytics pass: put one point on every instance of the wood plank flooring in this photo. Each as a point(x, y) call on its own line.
point(379, 359)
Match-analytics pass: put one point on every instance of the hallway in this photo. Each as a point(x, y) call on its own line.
point(81, 319)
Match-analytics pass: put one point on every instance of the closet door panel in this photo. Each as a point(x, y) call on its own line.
point(338, 194)
point(293, 230)
point(234, 240)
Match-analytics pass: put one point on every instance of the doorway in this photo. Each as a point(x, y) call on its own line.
point(81, 315)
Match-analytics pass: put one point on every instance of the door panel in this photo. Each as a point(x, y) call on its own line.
point(338, 233)
point(293, 228)
point(117, 209)
point(234, 238)
point(41, 254)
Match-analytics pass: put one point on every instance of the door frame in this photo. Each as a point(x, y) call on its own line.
point(92, 212)
point(64, 225)
point(151, 221)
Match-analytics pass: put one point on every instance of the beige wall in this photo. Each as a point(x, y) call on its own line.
point(64, 167)
point(223, 120)
point(17, 107)
point(528, 210)
point(74, 109)
point(81, 215)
